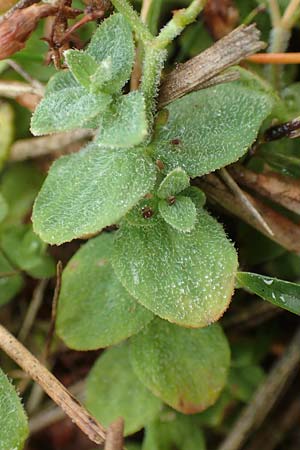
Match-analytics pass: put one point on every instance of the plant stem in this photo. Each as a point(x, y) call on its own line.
point(180, 20)
point(79, 415)
point(274, 13)
point(290, 16)
point(133, 18)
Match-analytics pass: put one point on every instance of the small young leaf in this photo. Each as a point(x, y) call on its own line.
point(281, 293)
point(94, 309)
point(67, 109)
point(181, 214)
point(82, 66)
point(11, 282)
point(211, 128)
point(113, 390)
point(196, 195)
point(13, 421)
point(113, 39)
point(174, 431)
point(186, 368)
point(145, 213)
point(89, 190)
point(124, 124)
point(100, 81)
point(176, 181)
point(26, 251)
point(186, 278)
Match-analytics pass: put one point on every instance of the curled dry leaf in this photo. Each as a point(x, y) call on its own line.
point(16, 29)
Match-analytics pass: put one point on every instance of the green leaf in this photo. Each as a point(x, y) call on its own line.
point(61, 80)
point(145, 213)
point(186, 278)
point(124, 124)
point(6, 130)
point(10, 281)
point(113, 390)
point(181, 214)
point(174, 431)
point(82, 66)
point(3, 208)
point(176, 181)
point(281, 293)
point(94, 309)
point(19, 187)
point(26, 251)
point(102, 76)
point(13, 421)
point(87, 191)
point(186, 368)
point(211, 128)
point(67, 109)
point(196, 195)
point(113, 39)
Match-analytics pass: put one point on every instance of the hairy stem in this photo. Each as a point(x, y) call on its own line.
point(133, 18)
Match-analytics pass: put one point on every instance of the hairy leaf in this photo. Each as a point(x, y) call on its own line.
point(89, 190)
point(82, 66)
point(186, 278)
point(124, 124)
point(113, 39)
point(281, 293)
point(13, 422)
point(211, 128)
point(187, 369)
point(61, 80)
point(67, 109)
point(181, 214)
point(176, 181)
point(94, 309)
point(10, 281)
point(113, 390)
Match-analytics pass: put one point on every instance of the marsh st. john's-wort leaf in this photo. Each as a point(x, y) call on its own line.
point(186, 278)
point(113, 40)
point(186, 368)
point(172, 430)
point(6, 130)
point(211, 128)
point(94, 309)
point(82, 66)
point(124, 124)
point(13, 421)
point(89, 190)
point(281, 293)
point(67, 109)
point(10, 281)
point(113, 390)
point(181, 213)
point(176, 181)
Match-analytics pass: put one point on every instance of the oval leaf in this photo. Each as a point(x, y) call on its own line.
point(82, 66)
point(211, 128)
point(187, 369)
point(13, 421)
point(186, 278)
point(181, 214)
point(87, 191)
point(281, 293)
point(113, 390)
point(176, 181)
point(94, 309)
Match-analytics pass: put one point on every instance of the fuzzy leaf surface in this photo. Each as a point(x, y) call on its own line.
point(89, 190)
point(211, 128)
point(181, 215)
point(186, 368)
point(113, 39)
point(94, 309)
point(124, 124)
point(113, 390)
point(13, 421)
point(82, 66)
point(176, 181)
point(67, 109)
point(281, 293)
point(186, 278)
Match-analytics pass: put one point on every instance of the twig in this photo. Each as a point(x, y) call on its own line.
point(275, 58)
point(252, 316)
point(13, 89)
point(233, 48)
point(19, 5)
point(52, 386)
point(114, 435)
point(288, 20)
point(274, 13)
point(237, 191)
point(286, 232)
point(32, 310)
point(265, 397)
point(59, 268)
point(39, 88)
point(281, 189)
